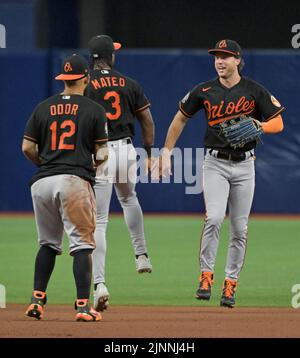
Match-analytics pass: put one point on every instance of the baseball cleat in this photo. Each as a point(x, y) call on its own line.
point(101, 297)
point(85, 313)
point(228, 292)
point(38, 300)
point(143, 264)
point(205, 283)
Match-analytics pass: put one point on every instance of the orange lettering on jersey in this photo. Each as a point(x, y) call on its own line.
point(220, 109)
point(52, 110)
point(108, 81)
point(74, 109)
point(103, 82)
point(95, 84)
point(61, 109)
point(230, 108)
point(68, 108)
point(218, 113)
point(114, 81)
point(214, 110)
point(239, 105)
point(207, 106)
point(122, 82)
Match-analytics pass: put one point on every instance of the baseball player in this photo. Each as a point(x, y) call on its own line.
point(123, 100)
point(228, 173)
point(60, 137)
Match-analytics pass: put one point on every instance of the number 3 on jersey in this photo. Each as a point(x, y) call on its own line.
point(71, 129)
point(115, 105)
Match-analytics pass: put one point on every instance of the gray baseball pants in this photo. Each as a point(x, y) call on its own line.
point(120, 172)
point(226, 182)
point(64, 203)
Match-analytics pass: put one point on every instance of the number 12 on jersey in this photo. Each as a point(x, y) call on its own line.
point(69, 128)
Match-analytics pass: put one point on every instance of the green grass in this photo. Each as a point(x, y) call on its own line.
point(271, 268)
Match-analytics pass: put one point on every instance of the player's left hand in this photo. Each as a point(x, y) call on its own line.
point(149, 165)
point(162, 165)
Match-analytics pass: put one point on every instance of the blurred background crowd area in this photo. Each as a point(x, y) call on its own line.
point(148, 23)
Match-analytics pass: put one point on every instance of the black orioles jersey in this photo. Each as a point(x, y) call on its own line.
point(220, 104)
point(66, 128)
point(122, 98)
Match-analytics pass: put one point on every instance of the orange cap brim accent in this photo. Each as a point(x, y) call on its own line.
point(117, 46)
point(64, 77)
point(214, 50)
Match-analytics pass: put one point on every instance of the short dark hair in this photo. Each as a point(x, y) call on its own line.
point(107, 60)
point(71, 83)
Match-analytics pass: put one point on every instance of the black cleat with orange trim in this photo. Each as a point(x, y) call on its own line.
point(85, 313)
point(228, 292)
point(36, 308)
point(204, 290)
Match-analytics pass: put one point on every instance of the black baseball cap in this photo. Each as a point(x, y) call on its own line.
point(227, 46)
point(102, 46)
point(74, 67)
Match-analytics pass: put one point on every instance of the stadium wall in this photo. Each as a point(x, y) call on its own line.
point(166, 75)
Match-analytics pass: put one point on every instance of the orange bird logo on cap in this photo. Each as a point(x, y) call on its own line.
point(68, 67)
point(222, 44)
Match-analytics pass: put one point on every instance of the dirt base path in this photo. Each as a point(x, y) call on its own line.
point(154, 322)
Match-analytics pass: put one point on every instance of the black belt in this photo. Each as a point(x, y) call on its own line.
point(124, 140)
point(234, 156)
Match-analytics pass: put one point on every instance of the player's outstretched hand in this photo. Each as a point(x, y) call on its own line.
point(149, 164)
point(161, 166)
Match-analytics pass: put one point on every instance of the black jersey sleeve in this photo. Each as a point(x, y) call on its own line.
point(191, 102)
point(31, 131)
point(268, 106)
point(141, 101)
point(100, 127)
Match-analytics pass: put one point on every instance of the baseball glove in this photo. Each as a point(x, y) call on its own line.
point(241, 130)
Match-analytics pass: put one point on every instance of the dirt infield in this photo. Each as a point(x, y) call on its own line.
point(154, 322)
